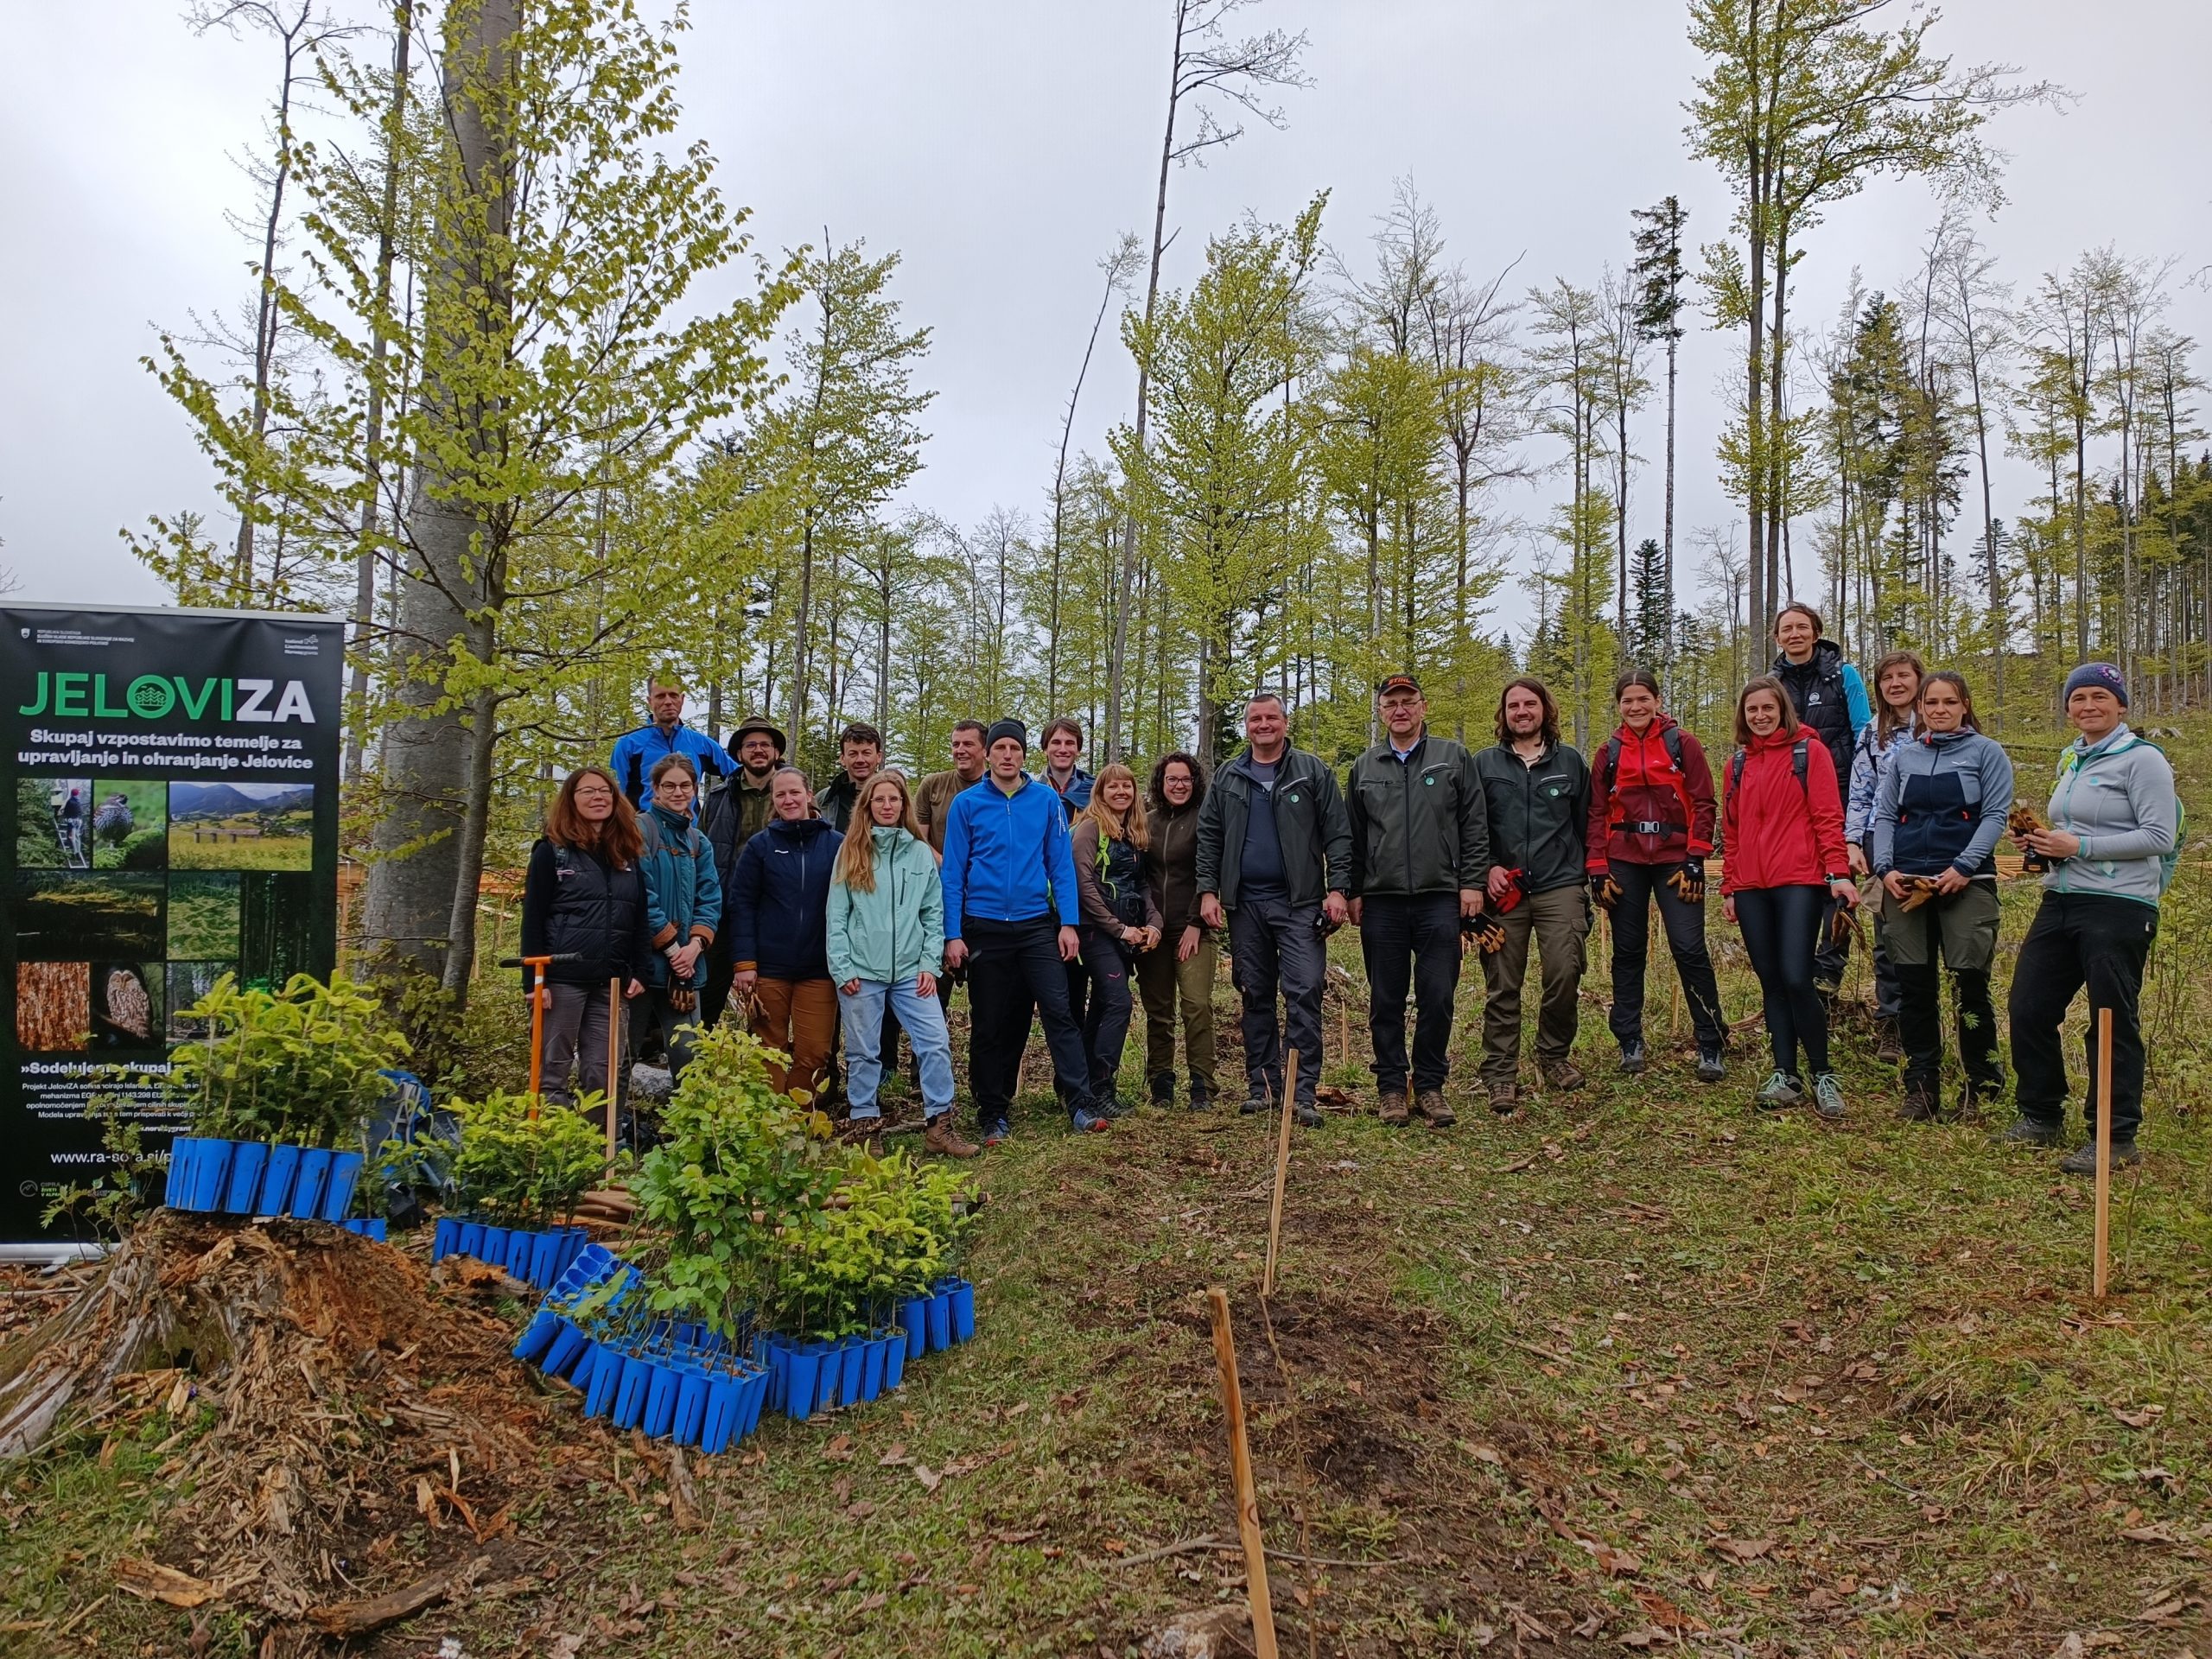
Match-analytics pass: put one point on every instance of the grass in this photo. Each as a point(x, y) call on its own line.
point(113, 918)
point(286, 843)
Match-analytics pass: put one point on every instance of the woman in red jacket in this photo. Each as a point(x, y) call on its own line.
point(1782, 829)
point(1651, 812)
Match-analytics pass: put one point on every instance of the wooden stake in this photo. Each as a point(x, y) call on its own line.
point(614, 1061)
point(1282, 1172)
point(1247, 1496)
point(2100, 1271)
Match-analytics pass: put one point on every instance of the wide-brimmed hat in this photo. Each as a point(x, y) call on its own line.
point(759, 723)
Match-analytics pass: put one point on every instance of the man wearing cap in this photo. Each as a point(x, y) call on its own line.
point(733, 815)
point(1420, 858)
point(1011, 906)
point(637, 753)
point(1274, 865)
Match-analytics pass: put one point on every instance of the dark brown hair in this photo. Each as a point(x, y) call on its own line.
point(1804, 610)
point(1643, 676)
point(1764, 682)
point(1067, 724)
point(1530, 683)
point(861, 732)
point(1158, 796)
point(1957, 681)
point(617, 840)
point(669, 762)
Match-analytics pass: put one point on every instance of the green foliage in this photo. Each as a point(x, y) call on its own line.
point(110, 1205)
point(300, 1064)
point(888, 1232)
point(521, 1162)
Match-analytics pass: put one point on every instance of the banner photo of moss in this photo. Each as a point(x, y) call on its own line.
point(168, 813)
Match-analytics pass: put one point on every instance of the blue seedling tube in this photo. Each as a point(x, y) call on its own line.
point(605, 1380)
point(308, 1184)
point(567, 1347)
point(468, 1238)
point(537, 1336)
point(630, 1393)
point(276, 1181)
point(338, 1191)
point(940, 1320)
point(914, 1320)
point(895, 1360)
point(776, 1358)
point(690, 1404)
point(872, 1365)
point(173, 1189)
point(660, 1400)
point(756, 1400)
point(368, 1227)
point(852, 1370)
point(442, 1236)
point(802, 1373)
point(571, 1246)
point(491, 1245)
point(210, 1164)
point(243, 1186)
point(516, 1259)
point(718, 1419)
point(963, 1310)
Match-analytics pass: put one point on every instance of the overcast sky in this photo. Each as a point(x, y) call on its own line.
point(1001, 147)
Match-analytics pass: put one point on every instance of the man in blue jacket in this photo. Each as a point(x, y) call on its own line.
point(1010, 915)
point(637, 753)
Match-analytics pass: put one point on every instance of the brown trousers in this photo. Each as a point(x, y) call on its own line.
point(797, 1017)
point(1560, 920)
point(1163, 983)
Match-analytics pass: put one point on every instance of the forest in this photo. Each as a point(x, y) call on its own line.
point(522, 393)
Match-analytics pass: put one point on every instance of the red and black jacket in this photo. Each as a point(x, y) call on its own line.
point(1651, 799)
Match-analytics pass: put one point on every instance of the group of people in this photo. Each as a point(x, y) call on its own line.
point(840, 916)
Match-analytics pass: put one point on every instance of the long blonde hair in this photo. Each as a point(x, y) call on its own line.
point(1132, 826)
point(856, 858)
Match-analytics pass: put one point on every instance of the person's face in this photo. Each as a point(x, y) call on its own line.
point(594, 800)
point(1120, 794)
point(1941, 708)
point(1176, 784)
point(1403, 712)
point(1061, 749)
point(674, 790)
point(1524, 712)
point(1900, 685)
point(1762, 714)
point(2093, 710)
point(1793, 631)
point(757, 753)
point(1007, 756)
point(885, 807)
point(967, 752)
point(788, 798)
point(1264, 725)
point(861, 760)
point(1638, 704)
point(667, 703)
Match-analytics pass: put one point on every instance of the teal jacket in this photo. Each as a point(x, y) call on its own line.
point(897, 930)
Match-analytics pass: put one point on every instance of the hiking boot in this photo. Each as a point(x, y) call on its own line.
point(2082, 1160)
point(1563, 1075)
point(1201, 1099)
point(1163, 1090)
point(996, 1130)
point(940, 1137)
point(1431, 1105)
point(2026, 1132)
point(1257, 1105)
point(1633, 1060)
point(1889, 1047)
point(1504, 1099)
point(1111, 1105)
point(1923, 1101)
point(1711, 1065)
point(1827, 1096)
point(1305, 1114)
point(1390, 1106)
point(1084, 1121)
point(1779, 1092)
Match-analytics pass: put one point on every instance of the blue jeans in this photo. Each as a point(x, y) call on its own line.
point(923, 1019)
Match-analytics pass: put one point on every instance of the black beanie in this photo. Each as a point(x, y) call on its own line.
point(1012, 728)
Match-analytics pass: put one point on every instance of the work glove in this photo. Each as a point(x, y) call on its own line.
point(1485, 932)
point(1605, 891)
point(1689, 880)
point(683, 999)
point(1513, 893)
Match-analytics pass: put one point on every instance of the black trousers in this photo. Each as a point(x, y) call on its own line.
point(1106, 1010)
point(1275, 945)
point(1782, 925)
point(2081, 940)
point(1014, 970)
point(1640, 885)
point(1410, 943)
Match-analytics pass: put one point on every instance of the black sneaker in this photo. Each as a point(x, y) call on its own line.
point(1201, 1100)
point(1923, 1101)
point(1711, 1065)
point(1632, 1059)
point(2026, 1132)
point(996, 1130)
point(1257, 1105)
point(1305, 1114)
point(2082, 1160)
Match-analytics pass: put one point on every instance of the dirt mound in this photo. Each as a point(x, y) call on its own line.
point(351, 1438)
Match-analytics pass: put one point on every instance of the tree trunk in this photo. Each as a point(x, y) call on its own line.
point(483, 730)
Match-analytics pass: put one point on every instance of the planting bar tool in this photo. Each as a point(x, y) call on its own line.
point(1247, 1496)
point(614, 1049)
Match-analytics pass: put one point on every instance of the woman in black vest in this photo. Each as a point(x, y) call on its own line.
point(1829, 696)
point(583, 904)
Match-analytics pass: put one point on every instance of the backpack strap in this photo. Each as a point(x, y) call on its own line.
point(1799, 752)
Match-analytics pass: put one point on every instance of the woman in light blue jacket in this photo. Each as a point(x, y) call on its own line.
point(2114, 819)
point(886, 947)
point(1896, 693)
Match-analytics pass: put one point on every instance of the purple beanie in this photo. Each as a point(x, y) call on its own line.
point(2103, 676)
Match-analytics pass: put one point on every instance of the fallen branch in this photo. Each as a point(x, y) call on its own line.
point(359, 1618)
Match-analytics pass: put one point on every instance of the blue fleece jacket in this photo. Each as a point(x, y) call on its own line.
point(1006, 857)
point(1941, 804)
point(2118, 796)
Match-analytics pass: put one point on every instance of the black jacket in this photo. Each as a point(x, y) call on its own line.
point(1310, 820)
point(1539, 815)
point(573, 905)
point(1816, 686)
point(780, 904)
point(1420, 825)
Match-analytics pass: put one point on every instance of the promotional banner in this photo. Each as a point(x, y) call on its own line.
point(170, 783)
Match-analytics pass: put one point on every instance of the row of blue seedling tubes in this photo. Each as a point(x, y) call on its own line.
point(538, 1259)
point(252, 1178)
